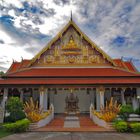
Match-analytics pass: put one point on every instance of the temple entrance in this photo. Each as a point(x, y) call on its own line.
point(65, 101)
point(71, 101)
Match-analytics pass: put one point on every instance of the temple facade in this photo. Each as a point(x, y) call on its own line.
point(71, 72)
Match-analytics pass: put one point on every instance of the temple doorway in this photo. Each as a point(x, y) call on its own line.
point(72, 101)
point(64, 100)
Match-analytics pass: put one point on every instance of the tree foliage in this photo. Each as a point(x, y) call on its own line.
point(15, 108)
point(1, 73)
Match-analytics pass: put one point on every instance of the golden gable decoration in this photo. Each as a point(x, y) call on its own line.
point(71, 47)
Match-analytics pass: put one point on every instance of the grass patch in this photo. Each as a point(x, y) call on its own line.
point(4, 133)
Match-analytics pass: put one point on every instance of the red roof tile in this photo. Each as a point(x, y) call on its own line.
point(14, 67)
point(35, 81)
point(24, 63)
point(119, 63)
point(130, 66)
point(57, 72)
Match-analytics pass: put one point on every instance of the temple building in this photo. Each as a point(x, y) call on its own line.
point(71, 72)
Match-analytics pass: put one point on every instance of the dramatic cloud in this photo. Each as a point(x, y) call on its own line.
point(27, 26)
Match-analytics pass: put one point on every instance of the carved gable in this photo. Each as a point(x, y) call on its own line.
point(71, 47)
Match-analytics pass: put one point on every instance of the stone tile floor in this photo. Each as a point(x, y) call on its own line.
point(58, 125)
point(71, 122)
point(72, 136)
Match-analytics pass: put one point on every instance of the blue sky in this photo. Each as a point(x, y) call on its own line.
point(27, 25)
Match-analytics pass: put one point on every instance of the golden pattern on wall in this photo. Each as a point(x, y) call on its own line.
point(71, 49)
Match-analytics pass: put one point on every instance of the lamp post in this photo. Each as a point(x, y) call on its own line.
point(138, 97)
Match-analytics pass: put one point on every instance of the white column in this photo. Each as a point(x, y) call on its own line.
point(101, 99)
point(97, 100)
point(134, 102)
point(21, 95)
point(5, 96)
point(137, 102)
point(92, 93)
point(122, 96)
point(44, 100)
point(41, 99)
point(45, 104)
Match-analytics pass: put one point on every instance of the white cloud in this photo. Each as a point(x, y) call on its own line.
point(102, 20)
point(5, 37)
point(8, 53)
point(17, 3)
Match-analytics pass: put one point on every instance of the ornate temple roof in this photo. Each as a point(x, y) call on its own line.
point(71, 58)
point(22, 68)
point(66, 72)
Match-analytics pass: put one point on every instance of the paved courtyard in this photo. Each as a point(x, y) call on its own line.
point(71, 136)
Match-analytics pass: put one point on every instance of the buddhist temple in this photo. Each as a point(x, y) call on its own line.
point(71, 72)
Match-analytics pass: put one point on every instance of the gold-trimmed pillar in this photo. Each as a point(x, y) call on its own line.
point(100, 97)
point(43, 98)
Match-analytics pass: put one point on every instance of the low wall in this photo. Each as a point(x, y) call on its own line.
point(97, 120)
point(44, 121)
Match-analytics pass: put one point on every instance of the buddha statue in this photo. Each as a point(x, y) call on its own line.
point(71, 103)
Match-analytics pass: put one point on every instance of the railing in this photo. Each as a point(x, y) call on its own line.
point(97, 120)
point(43, 122)
point(48, 119)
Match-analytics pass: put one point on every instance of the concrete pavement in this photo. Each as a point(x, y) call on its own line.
point(72, 136)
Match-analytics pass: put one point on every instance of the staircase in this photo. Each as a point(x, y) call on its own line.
point(71, 121)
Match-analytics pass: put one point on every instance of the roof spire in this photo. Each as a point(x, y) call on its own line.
point(131, 59)
point(13, 60)
point(21, 58)
point(71, 16)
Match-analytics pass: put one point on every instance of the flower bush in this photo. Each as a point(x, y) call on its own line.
point(18, 126)
point(125, 111)
point(137, 111)
point(135, 127)
point(121, 126)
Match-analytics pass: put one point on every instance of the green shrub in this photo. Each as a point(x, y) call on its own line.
point(137, 111)
point(121, 126)
point(125, 111)
point(15, 108)
point(18, 126)
point(135, 127)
